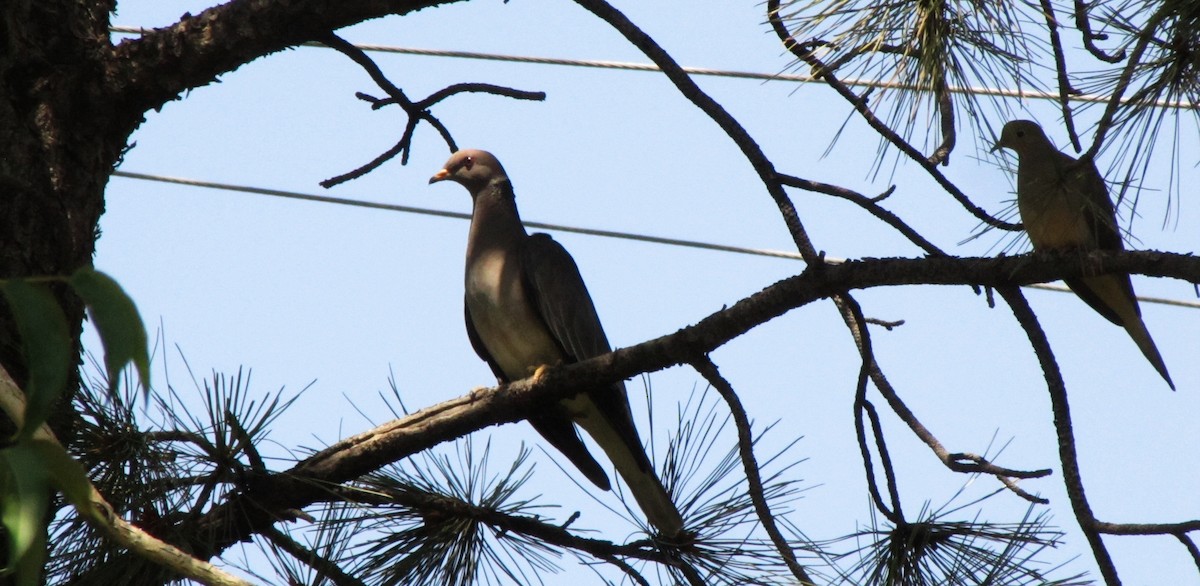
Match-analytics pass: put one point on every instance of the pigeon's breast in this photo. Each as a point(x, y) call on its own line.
point(1055, 216)
point(506, 322)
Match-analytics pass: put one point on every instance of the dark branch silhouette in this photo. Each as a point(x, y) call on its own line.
point(709, 371)
point(1065, 91)
point(308, 481)
point(804, 53)
point(417, 111)
point(1084, 24)
point(1068, 457)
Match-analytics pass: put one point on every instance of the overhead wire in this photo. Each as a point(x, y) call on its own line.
point(626, 66)
point(789, 77)
point(685, 243)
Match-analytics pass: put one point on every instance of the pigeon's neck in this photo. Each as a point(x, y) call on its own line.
point(495, 223)
point(1042, 164)
point(1040, 150)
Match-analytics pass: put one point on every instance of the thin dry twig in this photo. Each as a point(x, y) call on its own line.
point(708, 370)
point(1108, 118)
point(325, 568)
point(1065, 91)
point(957, 462)
point(804, 53)
point(1191, 547)
point(1084, 24)
point(945, 102)
point(1072, 478)
point(1147, 528)
point(736, 132)
point(867, 203)
point(418, 111)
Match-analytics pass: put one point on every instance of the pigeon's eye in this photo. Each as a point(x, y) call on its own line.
point(1020, 134)
point(468, 163)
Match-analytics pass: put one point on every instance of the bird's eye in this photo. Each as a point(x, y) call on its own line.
point(468, 163)
point(1020, 134)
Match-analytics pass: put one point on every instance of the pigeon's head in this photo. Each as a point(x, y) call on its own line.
point(471, 168)
point(1021, 136)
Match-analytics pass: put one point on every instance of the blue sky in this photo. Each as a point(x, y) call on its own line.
point(303, 292)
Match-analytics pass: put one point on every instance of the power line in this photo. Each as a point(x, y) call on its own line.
point(460, 215)
point(542, 225)
point(628, 66)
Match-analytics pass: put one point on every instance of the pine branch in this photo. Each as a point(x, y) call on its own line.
point(12, 401)
point(258, 506)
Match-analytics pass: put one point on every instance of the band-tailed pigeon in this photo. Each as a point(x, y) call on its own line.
point(527, 307)
point(1064, 205)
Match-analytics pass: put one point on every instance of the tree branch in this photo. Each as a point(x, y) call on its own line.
point(860, 105)
point(417, 111)
point(324, 568)
point(750, 149)
point(1108, 119)
point(156, 68)
point(265, 499)
point(870, 204)
point(709, 371)
point(1065, 91)
point(122, 532)
point(1072, 477)
point(1084, 24)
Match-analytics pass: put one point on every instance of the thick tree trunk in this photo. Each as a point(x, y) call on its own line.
point(58, 145)
point(69, 101)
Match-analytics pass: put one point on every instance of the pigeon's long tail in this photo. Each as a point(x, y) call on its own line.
point(627, 455)
point(1112, 296)
point(1141, 336)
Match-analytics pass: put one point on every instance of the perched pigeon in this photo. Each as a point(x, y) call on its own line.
point(527, 307)
point(1064, 205)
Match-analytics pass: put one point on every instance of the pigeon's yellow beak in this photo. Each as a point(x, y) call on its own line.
point(439, 176)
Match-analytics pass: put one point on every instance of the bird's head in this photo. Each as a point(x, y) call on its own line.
point(1021, 136)
point(471, 168)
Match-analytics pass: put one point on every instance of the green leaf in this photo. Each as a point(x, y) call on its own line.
point(66, 474)
point(117, 321)
point(24, 496)
point(47, 347)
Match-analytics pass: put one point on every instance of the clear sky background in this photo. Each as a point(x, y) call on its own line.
point(301, 292)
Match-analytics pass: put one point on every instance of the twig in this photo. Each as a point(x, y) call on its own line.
point(325, 568)
point(888, 325)
point(709, 371)
point(736, 132)
point(626, 568)
point(954, 462)
point(860, 105)
point(1083, 23)
point(867, 203)
point(1106, 121)
point(1060, 66)
point(866, 350)
point(1072, 477)
point(1147, 528)
point(894, 512)
point(945, 101)
point(417, 111)
point(1191, 547)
